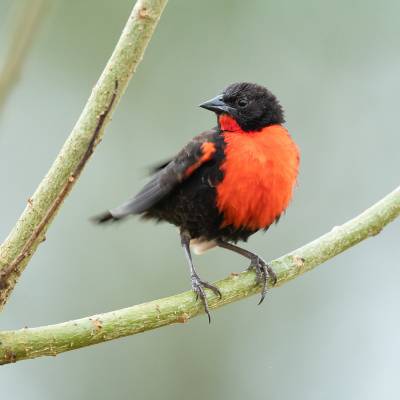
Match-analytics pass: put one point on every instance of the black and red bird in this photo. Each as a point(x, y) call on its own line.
point(226, 183)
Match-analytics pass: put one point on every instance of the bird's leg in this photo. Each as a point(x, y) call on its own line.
point(262, 268)
point(197, 284)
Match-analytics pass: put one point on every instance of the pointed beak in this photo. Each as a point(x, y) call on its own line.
point(217, 105)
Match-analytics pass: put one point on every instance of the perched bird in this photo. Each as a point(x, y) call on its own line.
point(226, 183)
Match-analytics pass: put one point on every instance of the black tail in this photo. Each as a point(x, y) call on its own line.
point(105, 217)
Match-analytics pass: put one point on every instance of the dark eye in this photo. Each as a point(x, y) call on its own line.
point(242, 103)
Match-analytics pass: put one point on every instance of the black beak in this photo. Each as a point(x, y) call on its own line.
point(217, 105)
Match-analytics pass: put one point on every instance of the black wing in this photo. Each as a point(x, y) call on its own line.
point(167, 176)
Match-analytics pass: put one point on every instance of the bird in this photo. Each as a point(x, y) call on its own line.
point(225, 184)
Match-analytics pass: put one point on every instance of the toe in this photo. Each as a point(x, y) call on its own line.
point(200, 293)
point(272, 274)
point(213, 288)
point(264, 281)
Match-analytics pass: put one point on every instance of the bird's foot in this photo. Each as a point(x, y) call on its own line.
point(263, 273)
point(198, 287)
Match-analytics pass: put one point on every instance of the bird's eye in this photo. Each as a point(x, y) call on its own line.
point(242, 103)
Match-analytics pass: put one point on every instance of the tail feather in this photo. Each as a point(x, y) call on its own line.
point(152, 192)
point(104, 217)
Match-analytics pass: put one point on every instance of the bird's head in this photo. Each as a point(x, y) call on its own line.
point(245, 106)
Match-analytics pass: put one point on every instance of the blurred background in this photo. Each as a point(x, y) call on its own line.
point(332, 333)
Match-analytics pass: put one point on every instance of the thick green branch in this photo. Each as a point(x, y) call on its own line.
point(26, 25)
point(54, 339)
point(30, 229)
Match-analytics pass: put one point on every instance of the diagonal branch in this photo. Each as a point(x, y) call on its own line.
point(26, 26)
point(51, 340)
point(31, 227)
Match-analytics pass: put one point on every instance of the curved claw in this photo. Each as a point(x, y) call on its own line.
point(198, 287)
point(213, 288)
point(264, 288)
point(272, 275)
point(263, 273)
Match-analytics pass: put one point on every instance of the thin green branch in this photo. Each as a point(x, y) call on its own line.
point(31, 227)
point(51, 340)
point(26, 25)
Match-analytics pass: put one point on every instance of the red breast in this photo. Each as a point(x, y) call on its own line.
point(260, 171)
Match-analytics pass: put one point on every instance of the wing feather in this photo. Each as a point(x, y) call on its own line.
point(200, 150)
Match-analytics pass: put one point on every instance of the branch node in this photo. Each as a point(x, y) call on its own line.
point(298, 261)
point(183, 318)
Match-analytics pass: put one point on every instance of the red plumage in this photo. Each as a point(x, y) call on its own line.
point(260, 171)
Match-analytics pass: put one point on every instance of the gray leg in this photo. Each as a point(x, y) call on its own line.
point(263, 269)
point(197, 284)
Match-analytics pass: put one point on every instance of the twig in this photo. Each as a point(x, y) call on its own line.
point(26, 26)
point(51, 340)
point(8, 269)
point(31, 227)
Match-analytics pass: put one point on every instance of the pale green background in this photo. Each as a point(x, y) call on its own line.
point(331, 334)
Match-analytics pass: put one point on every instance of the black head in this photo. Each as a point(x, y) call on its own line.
point(252, 106)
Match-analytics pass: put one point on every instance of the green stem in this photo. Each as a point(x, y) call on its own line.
point(54, 339)
point(31, 227)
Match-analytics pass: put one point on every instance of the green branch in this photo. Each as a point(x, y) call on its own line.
point(54, 339)
point(42, 207)
point(26, 25)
